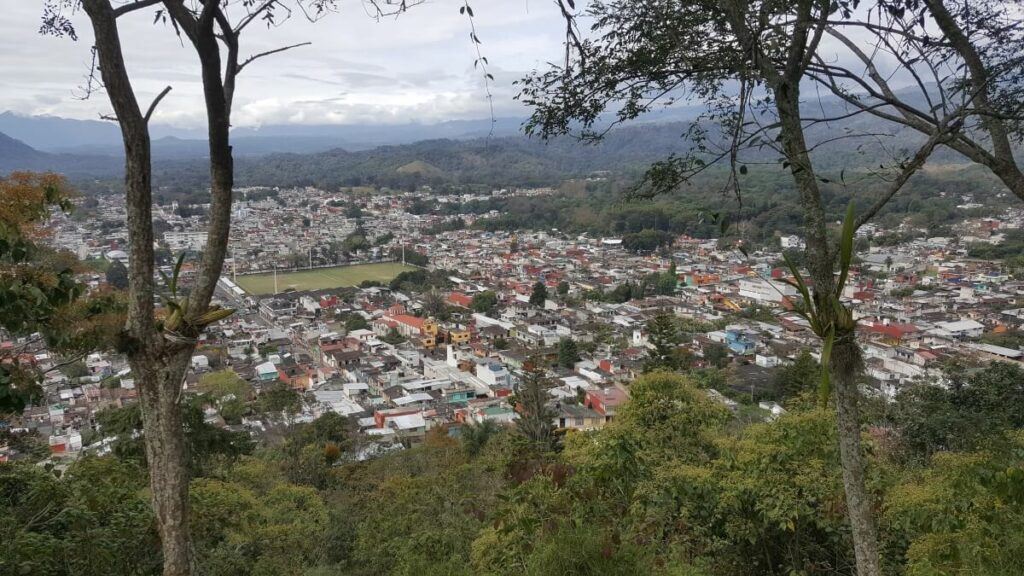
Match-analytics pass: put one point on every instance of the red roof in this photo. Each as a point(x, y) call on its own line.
point(895, 331)
point(413, 321)
point(460, 299)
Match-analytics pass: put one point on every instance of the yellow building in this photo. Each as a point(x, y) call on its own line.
point(459, 336)
point(429, 328)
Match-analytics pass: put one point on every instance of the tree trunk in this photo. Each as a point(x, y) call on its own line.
point(159, 384)
point(158, 371)
point(846, 366)
point(217, 97)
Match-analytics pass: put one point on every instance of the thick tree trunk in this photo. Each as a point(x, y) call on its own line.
point(846, 366)
point(159, 383)
point(846, 362)
point(158, 372)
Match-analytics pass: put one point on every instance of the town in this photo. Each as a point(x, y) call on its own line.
point(393, 310)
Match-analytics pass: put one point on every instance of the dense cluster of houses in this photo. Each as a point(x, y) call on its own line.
point(386, 359)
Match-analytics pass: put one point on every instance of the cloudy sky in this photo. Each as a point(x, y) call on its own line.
point(416, 68)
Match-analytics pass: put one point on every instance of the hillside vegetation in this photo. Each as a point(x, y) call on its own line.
point(677, 485)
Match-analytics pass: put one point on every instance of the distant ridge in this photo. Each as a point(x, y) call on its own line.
point(53, 134)
point(315, 156)
point(16, 155)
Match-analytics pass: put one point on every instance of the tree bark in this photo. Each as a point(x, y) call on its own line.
point(158, 370)
point(159, 381)
point(218, 114)
point(846, 366)
point(821, 263)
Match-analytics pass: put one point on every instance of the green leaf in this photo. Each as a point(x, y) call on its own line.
point(177, 271)
point(846, 249)
point(800, 284)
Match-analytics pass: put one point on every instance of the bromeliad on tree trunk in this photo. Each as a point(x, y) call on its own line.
point(829, 319)
point(180, 324)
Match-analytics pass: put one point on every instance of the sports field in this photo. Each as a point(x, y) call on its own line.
point(322, 278)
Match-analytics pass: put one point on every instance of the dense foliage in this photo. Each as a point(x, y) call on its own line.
point(40, 298)
point(675, 485)
point(927, 204)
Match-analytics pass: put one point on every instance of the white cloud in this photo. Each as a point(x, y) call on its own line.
point(417, 67)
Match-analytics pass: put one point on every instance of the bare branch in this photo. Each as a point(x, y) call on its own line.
point(248, 60)
point(381, 8)
point(156, 101)
point(944, 132)
point(908, 170)
point(881, 29)
point(872, 71)
point(93, 82)
point(137, 5)
point(60, 365)
point(572, 34)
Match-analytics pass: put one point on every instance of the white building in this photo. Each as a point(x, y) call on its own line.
point(767, 291)
point(792, 242)
point(179, 241)
point(494, 374)
point(961, 329)
point(119, 255)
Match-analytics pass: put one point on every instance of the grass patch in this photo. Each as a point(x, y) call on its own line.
point(322, 278)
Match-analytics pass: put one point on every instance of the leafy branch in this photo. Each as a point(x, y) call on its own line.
point(481, 62)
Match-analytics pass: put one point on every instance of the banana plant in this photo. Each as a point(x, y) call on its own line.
point(178, 325)
point(827, 316)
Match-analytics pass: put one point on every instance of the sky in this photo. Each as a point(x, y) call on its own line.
point(414, 68)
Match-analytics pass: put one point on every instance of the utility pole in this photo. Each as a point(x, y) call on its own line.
point(275, 277)
point(234, 266)
point(310, 257)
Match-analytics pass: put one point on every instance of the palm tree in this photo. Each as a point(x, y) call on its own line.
point(476, 436)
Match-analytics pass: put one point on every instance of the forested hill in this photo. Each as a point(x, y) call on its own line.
point(517, 161)
point(510, 161)
point(505, 161)
point(16, 155)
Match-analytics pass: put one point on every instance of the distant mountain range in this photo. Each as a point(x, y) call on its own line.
point(454, 152)
point(94, 137)
point(16, 155)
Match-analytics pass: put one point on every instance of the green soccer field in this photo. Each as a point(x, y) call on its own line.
point(322, 278)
